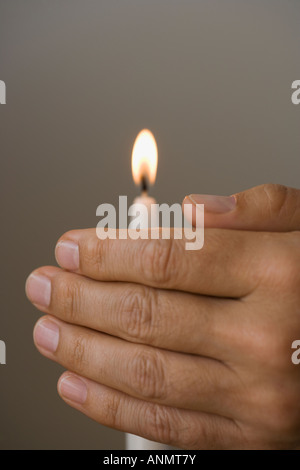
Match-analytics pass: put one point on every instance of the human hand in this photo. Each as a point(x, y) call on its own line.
point(188, 348)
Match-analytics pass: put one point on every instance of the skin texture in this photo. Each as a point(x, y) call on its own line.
point(188, 348)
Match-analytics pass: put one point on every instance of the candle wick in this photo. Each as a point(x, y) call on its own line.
point(144, 185)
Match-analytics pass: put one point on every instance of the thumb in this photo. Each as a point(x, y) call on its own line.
point(269, 207)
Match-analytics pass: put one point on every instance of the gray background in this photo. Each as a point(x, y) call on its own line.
point(210, 78)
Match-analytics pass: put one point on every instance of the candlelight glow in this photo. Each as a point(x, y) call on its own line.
point(144, 157)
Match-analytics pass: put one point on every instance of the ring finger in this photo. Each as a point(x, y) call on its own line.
point(141, 371)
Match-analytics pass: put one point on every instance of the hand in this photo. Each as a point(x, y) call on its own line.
point(189, 348)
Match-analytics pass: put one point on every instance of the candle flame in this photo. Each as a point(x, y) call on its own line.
point(144, 157)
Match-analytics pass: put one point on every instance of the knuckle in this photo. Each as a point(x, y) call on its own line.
point(93, 254)
point(174, 428)
point(68, 295)
point(111, 408)
point(136, 313)
point(277, 196)
point(148, 377)
point(159, 261)
point(160, 424)
point(78, 353)
point(282, 263)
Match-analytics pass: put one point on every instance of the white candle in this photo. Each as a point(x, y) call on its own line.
point(144, 164)
point(139, 443)
point(144, 216)
point(136, 442)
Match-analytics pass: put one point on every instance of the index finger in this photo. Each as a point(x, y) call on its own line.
point(226, 266)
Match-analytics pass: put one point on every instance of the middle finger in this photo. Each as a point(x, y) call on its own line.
point(171, 320)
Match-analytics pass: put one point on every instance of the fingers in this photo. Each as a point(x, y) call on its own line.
point(147, 373)
point(269, 207)
point(179, 428)
point(170, 320)
point(214, 270)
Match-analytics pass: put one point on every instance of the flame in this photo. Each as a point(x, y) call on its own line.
point(144, 157)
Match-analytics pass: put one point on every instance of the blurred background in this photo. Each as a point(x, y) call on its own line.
point(211, 79)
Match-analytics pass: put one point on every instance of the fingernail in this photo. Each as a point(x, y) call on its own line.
point(67, 255)
point(38, 289)
point(215, 204)
point(74, 389)
point(46, 335)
